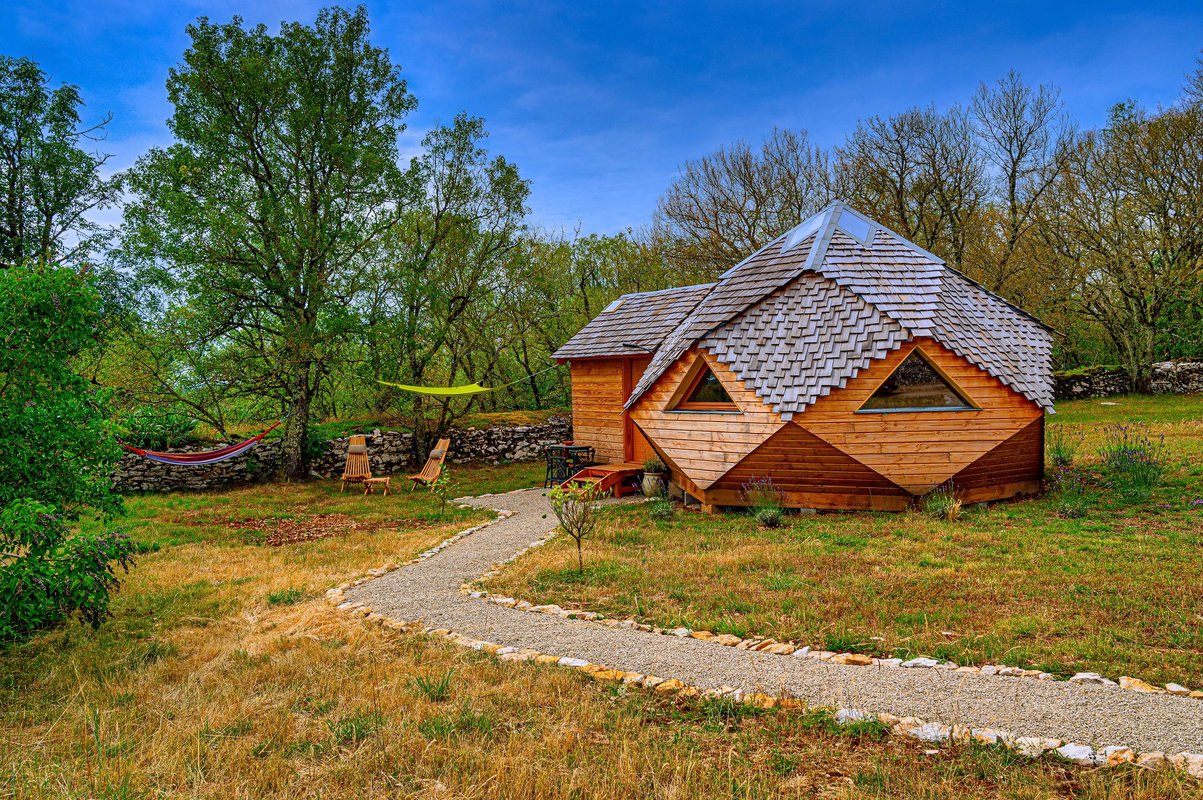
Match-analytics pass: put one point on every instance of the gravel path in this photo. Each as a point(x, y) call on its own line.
point(1088, 714)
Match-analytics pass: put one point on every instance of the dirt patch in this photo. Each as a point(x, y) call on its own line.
point(275, 532)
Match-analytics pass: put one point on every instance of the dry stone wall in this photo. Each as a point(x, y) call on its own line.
point(1169, 377)
point(391, 452)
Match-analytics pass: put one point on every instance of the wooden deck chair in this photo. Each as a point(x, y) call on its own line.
point(357, 469)
point(434, 465)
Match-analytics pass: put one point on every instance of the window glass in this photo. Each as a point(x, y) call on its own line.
point(915, 385)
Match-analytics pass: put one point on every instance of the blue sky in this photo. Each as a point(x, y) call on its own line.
point(600, 104)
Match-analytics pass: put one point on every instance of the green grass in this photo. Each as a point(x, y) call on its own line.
point(1116, 592)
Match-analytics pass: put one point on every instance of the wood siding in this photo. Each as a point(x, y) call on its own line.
point(597, 398)
point(1015, 466)
point(600, 387)
point(920, 450)
point(703, 445)
point(811, 472)
point(828, 456)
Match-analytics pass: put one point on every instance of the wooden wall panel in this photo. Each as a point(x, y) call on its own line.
point(597, 398)
point(704, 445)
point(799, 461)
point(920, 450)
point(1019, 459)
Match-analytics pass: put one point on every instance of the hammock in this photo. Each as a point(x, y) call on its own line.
point(204, 457)
point(442, 391)
point(457, 391)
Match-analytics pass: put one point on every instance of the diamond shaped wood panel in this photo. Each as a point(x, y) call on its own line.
point(703, 445)
point(919, 450)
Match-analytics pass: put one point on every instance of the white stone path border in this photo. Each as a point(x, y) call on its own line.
point(425, 595)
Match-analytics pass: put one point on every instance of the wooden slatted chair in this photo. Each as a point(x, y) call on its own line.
point(434, 465)
point(358, 468)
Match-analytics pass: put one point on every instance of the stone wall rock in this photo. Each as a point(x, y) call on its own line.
point(391, 452)
point(1169, 377)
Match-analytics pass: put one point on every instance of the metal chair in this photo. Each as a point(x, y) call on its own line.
point(558, 467)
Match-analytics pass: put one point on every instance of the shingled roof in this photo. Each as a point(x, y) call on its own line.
point(804, 314)
point(642, 319)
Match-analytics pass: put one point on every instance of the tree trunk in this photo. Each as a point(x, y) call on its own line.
point(293, 461)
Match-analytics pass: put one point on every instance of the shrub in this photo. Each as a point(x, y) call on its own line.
point(660, 509)
point(577, 511)
point(1062, 445)
point(49, 574)
point(157, 429)
point(57, 453)
point(1135, 462)
point(942, 503)
point(766, 501)
point(1074, 495)
point(654, 465)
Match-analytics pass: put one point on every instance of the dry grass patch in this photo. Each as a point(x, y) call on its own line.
point(1117, 592)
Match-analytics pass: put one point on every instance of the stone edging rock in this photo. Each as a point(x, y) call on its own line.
point(913, 727)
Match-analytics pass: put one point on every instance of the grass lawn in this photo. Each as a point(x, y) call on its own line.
point(1118, 592)
point(225, 674)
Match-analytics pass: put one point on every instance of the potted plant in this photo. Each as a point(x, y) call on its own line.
point(654, 474)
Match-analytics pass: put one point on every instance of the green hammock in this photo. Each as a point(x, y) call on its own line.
point(443, 391)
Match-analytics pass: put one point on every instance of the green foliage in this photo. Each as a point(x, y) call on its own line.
point(155, 429)
point(56, 454)
point(444, 487)
point(1073, 493)
point(435, 689)
point(653, 465)
point(1135, 461)
point(285, 597)
point(48, 181)
point(354, 728)
point(660, 509)
point(942, 503)
point(261, 253)
point(765, 500)
point(1062, 445)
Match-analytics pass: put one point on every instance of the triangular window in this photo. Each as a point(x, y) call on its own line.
point(916, 386)
point(705, 393)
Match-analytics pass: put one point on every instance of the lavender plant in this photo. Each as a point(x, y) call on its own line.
point(1074, 494)
point(766, 501)
point(1135, 462)
point(943, 503)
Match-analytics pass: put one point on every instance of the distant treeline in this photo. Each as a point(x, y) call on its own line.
point(280, 257)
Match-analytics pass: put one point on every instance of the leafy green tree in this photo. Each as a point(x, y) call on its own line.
point(259, 222)
point(1128, 227)
point(433, 312)
point(57, 452)
point(48, 181)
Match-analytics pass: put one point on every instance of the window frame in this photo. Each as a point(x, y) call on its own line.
point(970, 405)
point(690, 385)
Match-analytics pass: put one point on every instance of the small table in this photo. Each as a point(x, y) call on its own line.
point(371, 483)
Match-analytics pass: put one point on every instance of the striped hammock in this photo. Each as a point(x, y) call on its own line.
point(204, 457)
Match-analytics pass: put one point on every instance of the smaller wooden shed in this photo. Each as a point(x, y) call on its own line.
point(846, 363)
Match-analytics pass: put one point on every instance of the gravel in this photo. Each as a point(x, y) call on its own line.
point(1085, 713)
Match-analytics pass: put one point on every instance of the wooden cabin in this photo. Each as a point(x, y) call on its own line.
point(846, 363)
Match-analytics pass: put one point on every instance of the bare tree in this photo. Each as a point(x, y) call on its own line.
point(918, 172)
point(730, 203)
point(1024, 135)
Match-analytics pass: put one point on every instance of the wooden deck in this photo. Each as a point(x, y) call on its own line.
point(607, 478)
